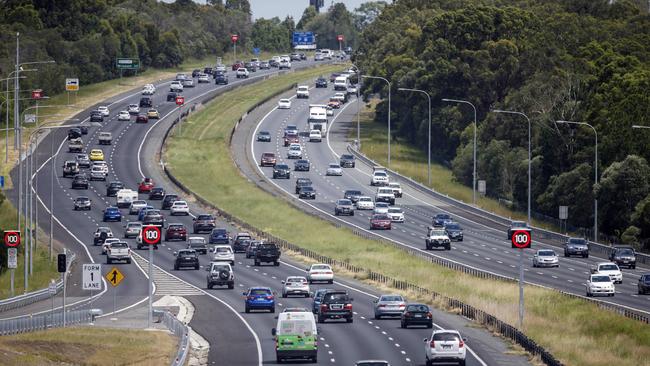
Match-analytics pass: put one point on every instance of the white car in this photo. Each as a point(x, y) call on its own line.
point(102, 164)
point(188, 83)
point(610, 269)
point(329, 111)
point(104, 111)
point(295, 151)
point(97, 173)
point(445, 345)
point(179, 208)
point(546, 258)
point(320, 272)
point(295, 285)
point(176, 86)
point(365, 203)
point(107, 244)
point(396, 214)
point(134, 109)
point(334, 169)
point(284, 104)
point(315, 135)
point(397, 189)
point(379, 178)
point(203, 78)
point(132, 229)
point(352, 89)
point(124, 116)
point(135, 207)
point(600, 284)
point(148, 89)
point(302, 92)
point(223, 253)
point(242, 72)
point(318, 57)
point(381, 208)
point(340, 97)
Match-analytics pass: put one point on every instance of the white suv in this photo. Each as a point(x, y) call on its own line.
point(176, 86)
point(302, 92)
point(223, 253)
point(295, 151)
point(379, 178)
point(445, 345)
point(295, 285)
point(610, 269)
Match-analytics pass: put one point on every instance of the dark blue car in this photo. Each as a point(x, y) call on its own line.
point(112, 214)
point(219, 236)
point(318, 296)
point(441, 219)
point(259, 298)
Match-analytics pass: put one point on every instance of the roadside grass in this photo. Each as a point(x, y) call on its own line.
point(88, 346)
point(411, 161)
point(575, 331)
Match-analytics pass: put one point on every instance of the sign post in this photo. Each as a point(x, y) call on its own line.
point(180, 100)
point(340, 38)
point(2, 182)
point(563, 216)
point(521, 239)
point(52, 290)
point(71, 85)
point(12, 240)
point(92, 277)
point(127, 64)
point(114, 277)
point(234, 38)
point(151, 236)
point(62, 266)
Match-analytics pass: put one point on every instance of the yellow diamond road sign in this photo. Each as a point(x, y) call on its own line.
point(114, 276)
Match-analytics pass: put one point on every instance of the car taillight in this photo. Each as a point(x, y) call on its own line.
point(250, 297)
point(407, 314)
point(429, 315)
point(402, 306)
point(328, 272)
point(432, 344)
point(382, 305)
point(323, 306)
point(348, 306)
point(270, 297)
point(461, 343)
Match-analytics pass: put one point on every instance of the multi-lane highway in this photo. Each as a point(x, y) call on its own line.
point(484, 246)
point(236, 338)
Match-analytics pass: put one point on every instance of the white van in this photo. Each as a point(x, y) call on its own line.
point(125, 197)
point(341, 83)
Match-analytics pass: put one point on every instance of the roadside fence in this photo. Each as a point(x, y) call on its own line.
point(32, 323)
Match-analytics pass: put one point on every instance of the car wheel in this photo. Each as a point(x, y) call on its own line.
point(196, 267)
point(634, 266)
point(377, 316)
point(109, 261)
point(587, 256)
point(350, 319)
point(272, 309)
point(461, 363)
point(321, 319)
point(128, 261)
point(231, 286)
point(257, 263)
point(588, 294)
point(175, 267)
point(247, 310)
point(402, 325)
point(429, 325)
point(276, 263)
point(566, 254)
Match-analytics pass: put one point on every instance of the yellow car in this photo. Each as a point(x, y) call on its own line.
point(96, 155)
point(153, 113)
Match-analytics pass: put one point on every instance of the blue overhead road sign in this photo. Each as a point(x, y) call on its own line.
point(2, 181)
point(304, 40)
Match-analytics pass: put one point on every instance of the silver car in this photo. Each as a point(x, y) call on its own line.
point(389, 305)
point(132, 229)
point(334, 169)
point(295, 285)
point(136, 206)
point(545, 258)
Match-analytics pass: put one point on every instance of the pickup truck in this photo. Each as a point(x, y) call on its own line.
point(118, 251)
point(267, 252)
point(75, 145)
point(105, 138)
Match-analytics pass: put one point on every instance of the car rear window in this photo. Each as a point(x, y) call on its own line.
point(320, 267)
point(119, 245)
point(260, 291)
point(445, 337)
point(223, 250)
point(204, 217)
point(417, 308)
point(608, 267)
point(391, 298)
point(336, 297)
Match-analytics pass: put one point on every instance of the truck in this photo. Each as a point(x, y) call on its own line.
point(267, 253)
point(105, 138)
point(318, 118)
point(118, 251)
point(75, 145)
point(125, 197)
point(70, 168)
point(341, 83)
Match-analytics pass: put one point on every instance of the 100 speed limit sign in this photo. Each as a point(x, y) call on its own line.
point(151, 235)
point(12, 238)
point(521, 239)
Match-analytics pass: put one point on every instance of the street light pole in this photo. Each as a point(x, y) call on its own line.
point(387, 82)
point(474, 175)
point(429, 145)
point(595, 172)
point(358, 108)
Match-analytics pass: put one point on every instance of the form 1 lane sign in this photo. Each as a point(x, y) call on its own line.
point(12, 238)
point(521, 239)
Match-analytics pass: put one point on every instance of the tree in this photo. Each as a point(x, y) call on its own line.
point(367, 13)
point(240, 5)
point(307, 15)
point(573, 189)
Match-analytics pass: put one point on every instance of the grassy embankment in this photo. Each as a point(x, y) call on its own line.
point(87, 96)
point(575, 331)
point(88, 346)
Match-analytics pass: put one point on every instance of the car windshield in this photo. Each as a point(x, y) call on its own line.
point(175, 226)
point(380, 174)
point(219, 267)
point(260, 291)
point(264, 133)
point(347, 157)
point(546, 253)
point(380, 217)
point(577, 241)
point(353, 193)
point(391, 298)
point(204, 217)
point(138, 203)
point(281, 166)
point(197, 241)
point(608, 267)
point(295, 148)
point(382, 205)
point(82, 199)
point(296, 279)
point(285, 101)
point(417, 308)
point(134, 224)
point(320, 267)
point(442, 216)
point(345, 202)
point(307, 188)
point(268, 155)
point(626, 252)
point(600, 279)
point(386, 191)
point(302, 162)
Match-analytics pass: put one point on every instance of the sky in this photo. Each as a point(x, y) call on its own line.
point(282, 8)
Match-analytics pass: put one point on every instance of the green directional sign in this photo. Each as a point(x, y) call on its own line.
point(128, 63)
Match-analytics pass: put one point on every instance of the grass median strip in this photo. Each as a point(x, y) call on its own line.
point(89, 346)
point(573, 330)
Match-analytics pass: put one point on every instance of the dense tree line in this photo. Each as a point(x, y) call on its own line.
point(576, 60)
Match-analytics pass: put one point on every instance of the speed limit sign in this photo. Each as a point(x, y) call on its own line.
point(151, 235)
point(521, 239)
point(12, 238)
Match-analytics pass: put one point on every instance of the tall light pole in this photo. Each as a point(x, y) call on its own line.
point(474, 175)
point(429, 145)
point(358, 107)
point(641, 127)
point(595, 172)
point(521, 251)
point(387, 82)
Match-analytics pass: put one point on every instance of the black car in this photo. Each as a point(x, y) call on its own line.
point(196, 72)
point(352, 194)
point(208, 70)
point(347, 161)
point(274, 63)
point(303, 57)
point(82, 203)
point(267, 253)
point(301, 182)
point(203, 222)
point(264, 136)
point(281, 171)
point(84, 130)
point(221, 78)
point(321, 82)
point(186, 258)
point(301, 165)
point(113, 187)
point(168, 201)
point(417, 314)
point(307, 192)
point(333, 76)
point(96, 116)
point(146, 102)
point(79, 181)
point(454, 231)
point(74, 133)
point(171, 96)
point(335, 304)
point(241, 243)
point(157, 193)
point(624, 256)
point(250, 66)
point(644, 284)
point(219, 236)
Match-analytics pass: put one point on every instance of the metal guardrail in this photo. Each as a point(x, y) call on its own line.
point(180, 330)
point(32, 297)
point(32, 323)
point(551, 237)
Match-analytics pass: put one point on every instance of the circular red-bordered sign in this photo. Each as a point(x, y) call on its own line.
point(521, 239)
point(12, 238)
point(234, 37)
point(151, 235)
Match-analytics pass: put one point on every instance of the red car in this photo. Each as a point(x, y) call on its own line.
point(334, 103)
point(268, 159)
point(176, 232)
point(380, 221)
point(237, 65)
point(142, 118)
point(290, 139)
point(146, 185)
